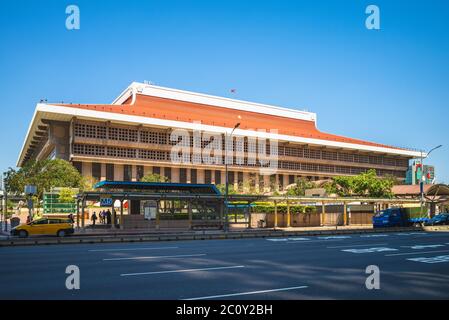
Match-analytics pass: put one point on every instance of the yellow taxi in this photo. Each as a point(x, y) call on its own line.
point(60, 227)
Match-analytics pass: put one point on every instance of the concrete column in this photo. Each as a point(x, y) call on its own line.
point(257, 182)
point(189, 175)
point(223, 177)
point(87, 169)
point(103, 172)
point(245, 182)
point(200, 175)
point(276, 184)
point(133, 173)
point(175, 175)
point(266, 183)
point(285, 177)
point(118, 172)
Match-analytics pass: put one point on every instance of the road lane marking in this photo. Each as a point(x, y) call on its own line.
point(374, 235)
point(131, 249)
point(419, 247)
point(179, 271)
point(370, 250)
point(334, 237)
point(437, 259)
point(411, 234)
point(412, 253)
point(247, 293)
point(156, 257)
point(358, 245)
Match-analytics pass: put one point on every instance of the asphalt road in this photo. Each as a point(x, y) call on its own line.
point(327, 267)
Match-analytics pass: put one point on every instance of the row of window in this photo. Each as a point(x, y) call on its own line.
point(233, 176)
point(129, 153)
point(157, 137)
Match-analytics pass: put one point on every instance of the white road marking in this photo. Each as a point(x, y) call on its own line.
point(412, 253)
point(131, 249)
point(410, 233)
point(419, 247)
point(179, 271)
point(334, 237)
point(298, 239)
point(374, 235)
point(247, 293)
point(437, 259)
point(370, 250)
point(359, 245)
point(156, 257)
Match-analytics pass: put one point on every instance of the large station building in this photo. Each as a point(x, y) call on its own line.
point(130, 137)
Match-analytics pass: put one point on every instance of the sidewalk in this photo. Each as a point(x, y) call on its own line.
point(105, 232)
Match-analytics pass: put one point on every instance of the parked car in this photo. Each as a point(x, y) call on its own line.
point(60, 227)
point(440, 219)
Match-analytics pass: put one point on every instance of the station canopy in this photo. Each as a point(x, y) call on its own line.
point(157, 187)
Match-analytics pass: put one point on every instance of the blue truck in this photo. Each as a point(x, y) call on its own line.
point(398, 217)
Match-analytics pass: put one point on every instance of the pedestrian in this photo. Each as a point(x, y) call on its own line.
point(93, 218)
point(108, 217)
point(72, 219)
point(100, 216)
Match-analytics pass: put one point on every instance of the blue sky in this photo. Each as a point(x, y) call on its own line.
point(388, 86)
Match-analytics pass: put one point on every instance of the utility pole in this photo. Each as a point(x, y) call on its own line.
point(226, 175)
point(423, 176)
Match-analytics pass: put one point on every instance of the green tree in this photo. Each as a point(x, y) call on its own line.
point(44, 174)
point(67, 195)
point(154, 177)
point(300, 187)
point(365, 184)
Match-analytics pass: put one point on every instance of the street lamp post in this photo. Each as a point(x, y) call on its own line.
point(423, 176)
point(226, 175)
point(5, 199)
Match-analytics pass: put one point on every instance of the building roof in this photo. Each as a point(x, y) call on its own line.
point(158, 187)
point(170, 108)
point(414, 190)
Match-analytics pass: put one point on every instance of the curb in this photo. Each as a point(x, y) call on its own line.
point(185, 237)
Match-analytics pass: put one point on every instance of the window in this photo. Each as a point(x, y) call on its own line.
point(96, 171)
point(139, 173)
point(291, 179)
point(231, 177)
point(78, 166)
point(193, 176)
point(109, 172)
point(207, 176)
point(167, 173)
point(127, 172)
point(157, 170)
point(217, 177)
point(41, 221)
point(182, 175)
